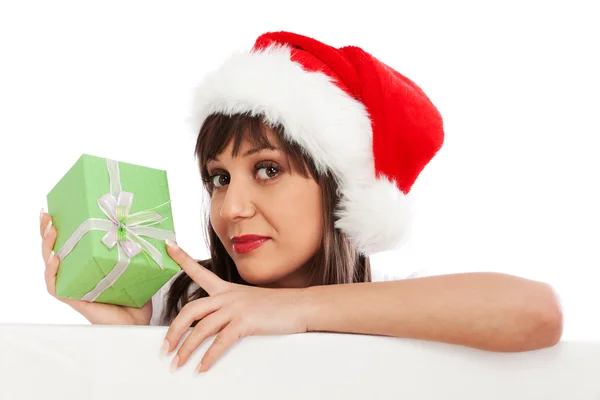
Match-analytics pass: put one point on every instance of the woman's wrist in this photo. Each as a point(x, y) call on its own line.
point(312, 308)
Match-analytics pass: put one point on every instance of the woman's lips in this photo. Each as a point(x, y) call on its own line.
point(247, 244)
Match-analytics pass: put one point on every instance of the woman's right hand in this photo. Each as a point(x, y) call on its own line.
point(96, 313)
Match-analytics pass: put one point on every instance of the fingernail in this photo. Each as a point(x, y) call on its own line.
point(174, 363)
point(50, 258)
point(41, 214)
point(171, 243)
point(165, 348)
point(197, 370)
point(48, 228)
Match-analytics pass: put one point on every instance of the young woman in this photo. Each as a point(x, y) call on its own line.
point(307, 153)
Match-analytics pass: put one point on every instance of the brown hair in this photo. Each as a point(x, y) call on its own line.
point(335, 262)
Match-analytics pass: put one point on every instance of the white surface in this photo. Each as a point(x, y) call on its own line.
point(515, 188)
point(107, 362)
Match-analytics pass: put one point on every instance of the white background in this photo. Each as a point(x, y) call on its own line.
point(515, 188)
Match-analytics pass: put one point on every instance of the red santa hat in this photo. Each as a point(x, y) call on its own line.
point(372, 128)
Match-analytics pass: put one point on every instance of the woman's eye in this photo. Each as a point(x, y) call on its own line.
point(267, 172)
point(220, 180)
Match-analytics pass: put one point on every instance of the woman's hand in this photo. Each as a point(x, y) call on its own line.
point(96, 313)
point(232, 311)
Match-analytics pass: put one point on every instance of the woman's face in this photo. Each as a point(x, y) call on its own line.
point(256, 193)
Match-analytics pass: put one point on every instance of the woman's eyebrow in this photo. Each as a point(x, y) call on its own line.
point(259, 149)
point(250, 152)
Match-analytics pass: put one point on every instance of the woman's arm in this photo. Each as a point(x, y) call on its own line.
point(489, 311)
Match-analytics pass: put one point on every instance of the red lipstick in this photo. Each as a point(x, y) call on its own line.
point(247, 243)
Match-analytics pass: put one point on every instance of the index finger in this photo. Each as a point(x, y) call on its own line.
point(45, 219)
point(207, 280)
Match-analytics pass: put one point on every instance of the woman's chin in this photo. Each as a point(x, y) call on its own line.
point(256, 275)
point(261, 281)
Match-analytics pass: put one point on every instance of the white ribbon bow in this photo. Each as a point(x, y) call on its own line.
point(123, 229)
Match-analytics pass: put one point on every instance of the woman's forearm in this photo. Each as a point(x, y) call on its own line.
point(489, 311)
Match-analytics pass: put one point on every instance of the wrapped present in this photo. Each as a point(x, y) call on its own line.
point(112, 220)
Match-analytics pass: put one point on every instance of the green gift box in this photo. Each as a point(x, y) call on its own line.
point(112, 220)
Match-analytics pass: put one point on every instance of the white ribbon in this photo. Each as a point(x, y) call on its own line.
point(123, 229)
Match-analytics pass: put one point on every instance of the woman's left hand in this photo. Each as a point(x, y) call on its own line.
point(231, 310)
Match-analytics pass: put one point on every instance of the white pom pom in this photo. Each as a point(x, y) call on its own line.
point(376, 218)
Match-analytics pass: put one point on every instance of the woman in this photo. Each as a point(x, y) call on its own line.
point(307, 153)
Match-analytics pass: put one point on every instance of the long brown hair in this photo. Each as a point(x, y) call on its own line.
point(335, 262)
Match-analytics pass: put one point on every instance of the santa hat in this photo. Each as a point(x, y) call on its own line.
point(372, 128)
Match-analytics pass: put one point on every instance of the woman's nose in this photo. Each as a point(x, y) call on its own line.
point(237, 203)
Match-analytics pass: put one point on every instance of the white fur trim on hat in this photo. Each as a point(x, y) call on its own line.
point(331, 126)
